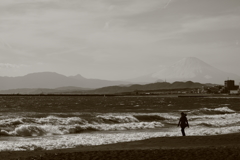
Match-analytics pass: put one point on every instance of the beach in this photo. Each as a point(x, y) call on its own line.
point(190, 147)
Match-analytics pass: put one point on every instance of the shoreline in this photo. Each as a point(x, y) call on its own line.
point(123, 95)
point(214, 144)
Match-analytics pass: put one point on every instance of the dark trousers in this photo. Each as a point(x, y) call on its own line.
point(182, 130)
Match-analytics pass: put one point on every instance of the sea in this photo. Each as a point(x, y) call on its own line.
point(30, 123)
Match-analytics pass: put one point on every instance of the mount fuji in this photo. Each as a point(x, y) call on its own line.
point(189, 69)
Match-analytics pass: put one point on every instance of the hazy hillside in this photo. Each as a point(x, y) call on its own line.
point(152, 86)
point(53, 80)
point(107, 90)
point(43, 90)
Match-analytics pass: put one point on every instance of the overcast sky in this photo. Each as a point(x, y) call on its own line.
point(116, 39)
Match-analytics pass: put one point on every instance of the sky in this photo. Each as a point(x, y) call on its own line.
point(116, 39)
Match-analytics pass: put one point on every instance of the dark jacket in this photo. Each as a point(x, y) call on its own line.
point(183, 122)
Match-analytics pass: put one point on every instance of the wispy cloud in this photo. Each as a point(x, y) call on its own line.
point(11, 66)
point(167, 4)
point(44, 25)
point(212, 23)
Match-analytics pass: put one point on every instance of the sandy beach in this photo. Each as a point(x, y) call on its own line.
point(189, 147)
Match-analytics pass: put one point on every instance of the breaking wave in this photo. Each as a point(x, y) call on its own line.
point(116, 119)
point(99, 119)
point(220, 123)
point(209, 111)
point(41, 130)
point(48, 120)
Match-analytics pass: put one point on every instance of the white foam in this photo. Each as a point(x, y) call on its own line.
point(40, 130)
point(121, 127)
point(118, 119)
point(11, 121)
point(213, 131)
point(60, 121)
point(48, 120)
point(220, 120)
point(216, 117)
point(221, 109)
point(33, 130)
point(217, 120)
point(77, 140)
point(71, 141)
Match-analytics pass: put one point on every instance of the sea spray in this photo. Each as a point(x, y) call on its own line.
point(87, 139)
point(212, 111)
point(41, 130)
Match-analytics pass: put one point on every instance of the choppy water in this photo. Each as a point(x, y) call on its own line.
point(41, 123)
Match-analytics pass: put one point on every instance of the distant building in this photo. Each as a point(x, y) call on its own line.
point(229, 85)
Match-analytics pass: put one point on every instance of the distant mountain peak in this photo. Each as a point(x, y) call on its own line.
point(184, 69)
point(42, 73)
point(192, 62)
point(78, 76)
point(192, 59)
point(190, 69)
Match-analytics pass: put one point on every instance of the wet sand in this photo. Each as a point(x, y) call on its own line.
point(187, 148)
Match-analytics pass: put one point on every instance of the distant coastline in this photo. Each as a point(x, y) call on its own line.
point(126, 95)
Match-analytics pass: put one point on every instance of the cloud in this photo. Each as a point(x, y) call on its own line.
point(167, 4)
point(102, 7)
point(41, 27)
point(11, 66)
point(212, 23)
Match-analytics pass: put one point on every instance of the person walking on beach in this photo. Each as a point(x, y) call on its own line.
point(183, 123)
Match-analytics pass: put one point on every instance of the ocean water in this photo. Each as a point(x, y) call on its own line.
point(57, 122)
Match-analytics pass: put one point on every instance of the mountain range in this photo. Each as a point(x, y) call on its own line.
point(51, 80)
point(59, 90)
point(147, 87)
point(187, 69)
point(109, 89)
